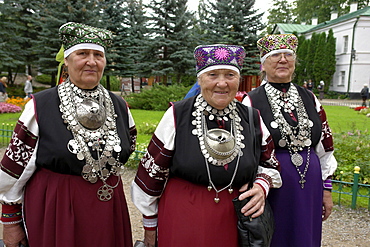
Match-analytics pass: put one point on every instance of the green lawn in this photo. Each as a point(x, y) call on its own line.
point(342, 119)
point(145, 122)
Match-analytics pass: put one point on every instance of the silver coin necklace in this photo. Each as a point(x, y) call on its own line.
point(295, 138)
point(218, 146)
point(90, 116)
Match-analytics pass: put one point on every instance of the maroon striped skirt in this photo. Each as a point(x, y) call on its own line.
point(64, 210)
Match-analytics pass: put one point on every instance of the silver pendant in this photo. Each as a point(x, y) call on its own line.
point(105, 193)
point(72, 146)
point(274, 125)
point(302, 181)
point(217, 200)
point(282, 143)
point(80, 156)
point(90, 114)
point(308, 142)
point(296, 159)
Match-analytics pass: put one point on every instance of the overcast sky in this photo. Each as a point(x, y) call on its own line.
point(262, 6)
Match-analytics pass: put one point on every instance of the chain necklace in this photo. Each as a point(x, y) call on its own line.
point(295, 138)
point(218, 146)
point(90, 116)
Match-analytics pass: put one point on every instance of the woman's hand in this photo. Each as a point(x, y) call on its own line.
point(14, 235)
point(256, 205)
point(150, 238)
point(327, 205)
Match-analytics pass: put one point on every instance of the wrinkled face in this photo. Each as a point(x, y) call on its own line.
point(219, 87)
point(85, 67)
point(279, 67)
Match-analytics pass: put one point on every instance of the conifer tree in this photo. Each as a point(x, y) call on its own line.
point(51, 15)
point(233, 22)
point(280, 12)
point(310, 56)
point(170, 47)
point(301, 64)
point(319, 61)
point(18, 33)
point(330, 59)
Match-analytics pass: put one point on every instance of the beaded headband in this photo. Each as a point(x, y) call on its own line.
point(270, 43)
point(85, 37)
point(209, 57)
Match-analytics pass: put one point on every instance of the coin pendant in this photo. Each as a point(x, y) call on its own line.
point(308, 142)
point(282, 143)
point(274, 125)
point(80, 156)
point(297, 159)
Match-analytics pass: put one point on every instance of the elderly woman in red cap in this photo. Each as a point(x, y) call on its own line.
point(60, 181)
point(202, 156)
point(303, 142)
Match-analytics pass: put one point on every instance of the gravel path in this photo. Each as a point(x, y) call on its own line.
point(344, 228)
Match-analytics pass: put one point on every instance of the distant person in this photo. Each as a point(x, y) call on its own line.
point(3, 86)
point(305, 84)
point(310, 85)
point(28, 89)
point(364, 94)
point(321, 88)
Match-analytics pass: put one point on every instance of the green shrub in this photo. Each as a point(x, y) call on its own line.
point(352, 149)
point(17, 90)
point(147, 128)
point(335, 95)
point(157, 98)
point(115, 83)
point(44, 79)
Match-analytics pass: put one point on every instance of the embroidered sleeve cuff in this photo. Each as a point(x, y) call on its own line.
point(11, 214)
point(265, 185)
point(150, 222)
point(327, 184)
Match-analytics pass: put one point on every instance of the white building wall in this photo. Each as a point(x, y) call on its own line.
point(357, 73)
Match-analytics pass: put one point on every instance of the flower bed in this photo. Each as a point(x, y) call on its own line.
point(9, 108)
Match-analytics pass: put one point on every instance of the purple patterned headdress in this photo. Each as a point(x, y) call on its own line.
point(210, 57)
point(277, 43)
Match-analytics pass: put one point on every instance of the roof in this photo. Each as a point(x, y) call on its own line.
point(291, 28)
point(361, 12)
point(300, 28)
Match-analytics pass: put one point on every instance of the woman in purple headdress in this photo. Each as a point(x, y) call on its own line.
point(201, 157)
point(304, 145)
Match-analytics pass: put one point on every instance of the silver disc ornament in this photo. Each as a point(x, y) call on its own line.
point(297, 159)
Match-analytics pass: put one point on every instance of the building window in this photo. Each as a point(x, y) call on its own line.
point(342, 78)
point(345, 44)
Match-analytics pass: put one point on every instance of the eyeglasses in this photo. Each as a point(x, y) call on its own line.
point(278, 56)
